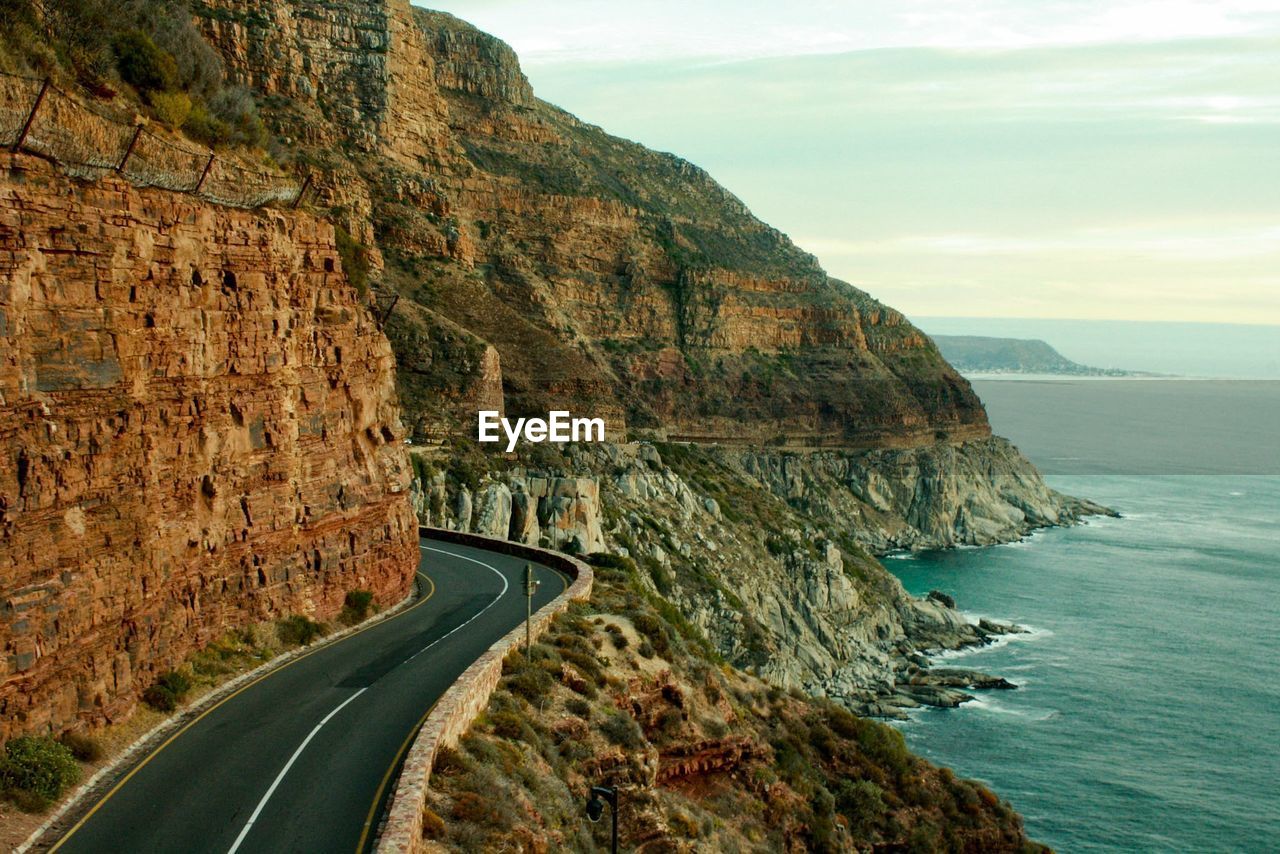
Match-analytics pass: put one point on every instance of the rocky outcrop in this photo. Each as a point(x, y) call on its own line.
point(753, 550)
point(974, 493)
point(607, 278)
point(199, 428)
point(538, 510)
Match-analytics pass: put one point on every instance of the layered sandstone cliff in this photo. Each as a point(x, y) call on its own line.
point(199, 431)
point(606, 277)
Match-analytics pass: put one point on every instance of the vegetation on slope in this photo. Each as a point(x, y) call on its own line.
point(146, 53)
point(623, 691)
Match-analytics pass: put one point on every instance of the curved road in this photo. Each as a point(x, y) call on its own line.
point(301, 760)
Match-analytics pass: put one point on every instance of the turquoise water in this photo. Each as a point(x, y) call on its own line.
point(1148, 717)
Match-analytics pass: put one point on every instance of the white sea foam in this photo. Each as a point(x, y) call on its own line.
point(987, 703)
point(1032, 633)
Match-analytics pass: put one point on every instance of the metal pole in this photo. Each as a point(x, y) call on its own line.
point(31, 117)
point(613, 810)
point(205, 174)
point(382, 318)
point(601, 795)
point(128, 151)
point(306, 184)
point(530, 587)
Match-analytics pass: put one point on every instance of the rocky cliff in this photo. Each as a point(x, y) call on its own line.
point(199, 431)
point(537, 262)
point(769, 553)
point(539, 256)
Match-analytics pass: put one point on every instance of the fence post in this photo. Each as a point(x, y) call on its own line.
point(205, 174)
point(26, 128)
point(302, 191)
point(128, 151)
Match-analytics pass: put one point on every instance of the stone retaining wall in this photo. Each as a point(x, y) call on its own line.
point(468, 696)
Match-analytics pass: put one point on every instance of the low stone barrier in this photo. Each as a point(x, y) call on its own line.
point(468, 696)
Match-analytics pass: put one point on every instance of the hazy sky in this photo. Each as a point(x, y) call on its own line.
point(1063, 158)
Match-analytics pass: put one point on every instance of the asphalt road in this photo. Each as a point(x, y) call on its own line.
point(301, 760)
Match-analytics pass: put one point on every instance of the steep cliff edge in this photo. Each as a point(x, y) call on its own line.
point(606, 277)
point(199, 429)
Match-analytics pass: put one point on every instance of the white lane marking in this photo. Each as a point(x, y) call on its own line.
point(473, 616)
point(285, 770)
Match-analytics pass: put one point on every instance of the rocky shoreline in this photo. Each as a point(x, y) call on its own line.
point(919, 683)
point(769, 555)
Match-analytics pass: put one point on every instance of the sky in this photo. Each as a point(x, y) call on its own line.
point(986, 158)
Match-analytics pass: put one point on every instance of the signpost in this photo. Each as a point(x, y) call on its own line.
point(530, 587)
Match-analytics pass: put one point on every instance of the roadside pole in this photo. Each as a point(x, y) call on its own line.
point(530, 587)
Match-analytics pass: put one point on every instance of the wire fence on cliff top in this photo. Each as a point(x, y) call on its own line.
point(88, 142)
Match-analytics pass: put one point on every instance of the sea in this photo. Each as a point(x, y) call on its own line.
point(1147, 716)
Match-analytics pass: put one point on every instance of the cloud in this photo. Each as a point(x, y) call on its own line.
point(576, 31)
point(1102, 158)
point(1208, 243)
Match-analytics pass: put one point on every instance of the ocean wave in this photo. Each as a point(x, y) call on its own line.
point(1032, 633)
point(986, 703)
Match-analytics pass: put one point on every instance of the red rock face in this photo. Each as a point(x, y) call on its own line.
point(198, 431)
point(608, 279)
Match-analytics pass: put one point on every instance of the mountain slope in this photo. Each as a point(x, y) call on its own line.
point(606, 277)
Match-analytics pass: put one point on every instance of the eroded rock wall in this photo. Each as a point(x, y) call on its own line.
point(609, 279)
point(198, 430)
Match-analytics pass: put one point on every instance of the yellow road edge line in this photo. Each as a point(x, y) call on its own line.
point(125, 779)
point(386, 778)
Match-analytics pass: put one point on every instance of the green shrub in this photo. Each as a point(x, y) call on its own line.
point(432, 824)
point(862, 803)
point(355, 263)
point(622, 730)
point(171, 108)
point(450, 761)
point(507, 725)
point(532, 683)
point(612, 567)
point(142, 65)
point(204, 126)
point(167, 692)
point(178, 683)
point(474, 808)
point(579, 707)
point(36, 770)
point(356, 606)
point(586, 662)
point(669, 722)
point(84, 747)
point(663, 579)
point(616, 635)
point(235, 110)
point(298, 630)
point(159, 699)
